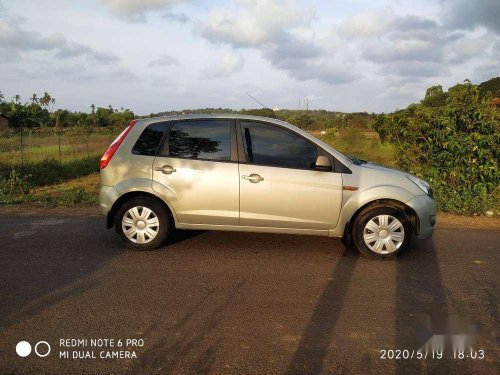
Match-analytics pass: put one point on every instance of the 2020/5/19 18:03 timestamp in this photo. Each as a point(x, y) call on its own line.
point(431, 354)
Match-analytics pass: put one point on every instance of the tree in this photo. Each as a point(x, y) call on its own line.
point(264, 112)
point(181, 144)
point(455, 146)
point(303, 121)
point(45, 100)
point(434, 90)
point(492, 86)
point(435, 97)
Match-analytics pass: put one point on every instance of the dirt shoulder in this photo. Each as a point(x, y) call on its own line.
point(444, 220)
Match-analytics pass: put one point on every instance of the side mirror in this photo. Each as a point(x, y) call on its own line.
point(323, 164)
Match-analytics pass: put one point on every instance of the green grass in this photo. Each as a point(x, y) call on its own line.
point(81, 191)
point(44, 146)
point(362, 144)
point(47, 172)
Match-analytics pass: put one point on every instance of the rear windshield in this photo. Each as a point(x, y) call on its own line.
point(150, 140)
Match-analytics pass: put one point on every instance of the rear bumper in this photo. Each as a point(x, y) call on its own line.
point(107, 196)
point(425, 208)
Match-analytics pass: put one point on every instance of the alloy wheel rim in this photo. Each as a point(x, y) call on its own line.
point(384, 234)
point(140, 225)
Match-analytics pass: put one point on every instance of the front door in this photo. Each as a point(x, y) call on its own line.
point(279, 186)
point(197, 170)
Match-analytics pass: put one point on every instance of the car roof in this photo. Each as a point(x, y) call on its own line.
point(209, 116)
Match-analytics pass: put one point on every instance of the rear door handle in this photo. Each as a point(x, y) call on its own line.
point(165, 169)
point(254, 178)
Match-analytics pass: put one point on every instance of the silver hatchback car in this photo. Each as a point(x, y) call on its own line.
point(254, 174)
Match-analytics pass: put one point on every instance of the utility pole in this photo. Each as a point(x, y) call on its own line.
point(307, 104)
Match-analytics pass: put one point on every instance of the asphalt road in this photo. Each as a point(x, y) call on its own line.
point(228, 303)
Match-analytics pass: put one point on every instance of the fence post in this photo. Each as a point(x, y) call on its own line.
point(87, 132)
point(59, 141)
point(22, 152)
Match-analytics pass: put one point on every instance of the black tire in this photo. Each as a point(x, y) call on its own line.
point(371, 212)
point(164, 226)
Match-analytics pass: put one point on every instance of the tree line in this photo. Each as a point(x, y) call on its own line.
point(39, 111)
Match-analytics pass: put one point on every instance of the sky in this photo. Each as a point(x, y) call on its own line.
point(160, 55)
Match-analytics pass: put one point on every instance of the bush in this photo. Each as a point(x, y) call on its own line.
point(456, 147)
point(13, 186)
point(48, 172)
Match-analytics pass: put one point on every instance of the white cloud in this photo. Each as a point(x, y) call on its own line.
point(135, 10)
point(278, 29)
point(164, 60)
point(254, 22)
point(229, 63)
point(15, 40)
point(368, 23)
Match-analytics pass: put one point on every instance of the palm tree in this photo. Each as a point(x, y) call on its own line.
point(34, 99)
point(45, 100)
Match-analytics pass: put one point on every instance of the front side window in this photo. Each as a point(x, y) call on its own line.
point(203, 139)
point(274, 146)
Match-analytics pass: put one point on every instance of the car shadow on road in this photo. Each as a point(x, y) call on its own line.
point(179, 235)
point(48, 259)
point(420, 310)
point(317, 336)
point(421, 306)
point(191, 343)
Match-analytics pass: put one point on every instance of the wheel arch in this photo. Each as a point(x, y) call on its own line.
point(410, 214)
point(110, 217)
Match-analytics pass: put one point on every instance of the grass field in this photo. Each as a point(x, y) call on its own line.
point(362, 144)
point(46, 145)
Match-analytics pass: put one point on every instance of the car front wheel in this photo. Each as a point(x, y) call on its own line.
point(382, 232)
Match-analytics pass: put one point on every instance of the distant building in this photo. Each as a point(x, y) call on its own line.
point(4, 121)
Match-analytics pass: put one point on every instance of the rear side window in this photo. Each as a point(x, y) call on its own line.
point(150, 140)
point(277, 147)
point(203, 139)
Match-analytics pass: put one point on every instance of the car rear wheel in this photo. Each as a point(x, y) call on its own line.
point(142, 223)
point(382, 232)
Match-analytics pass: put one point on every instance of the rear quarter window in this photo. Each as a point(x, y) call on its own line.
point(149, 141)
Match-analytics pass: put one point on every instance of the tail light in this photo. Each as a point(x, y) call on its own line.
point(106, 158)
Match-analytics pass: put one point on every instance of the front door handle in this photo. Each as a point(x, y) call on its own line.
point(254, 178)
point(165, 169)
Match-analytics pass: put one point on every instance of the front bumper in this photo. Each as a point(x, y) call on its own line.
point(425, 208)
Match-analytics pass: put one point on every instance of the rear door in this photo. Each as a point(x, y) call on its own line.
point(198, 166)
point(279, 186)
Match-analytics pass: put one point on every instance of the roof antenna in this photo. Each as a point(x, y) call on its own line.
point(265, 106)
